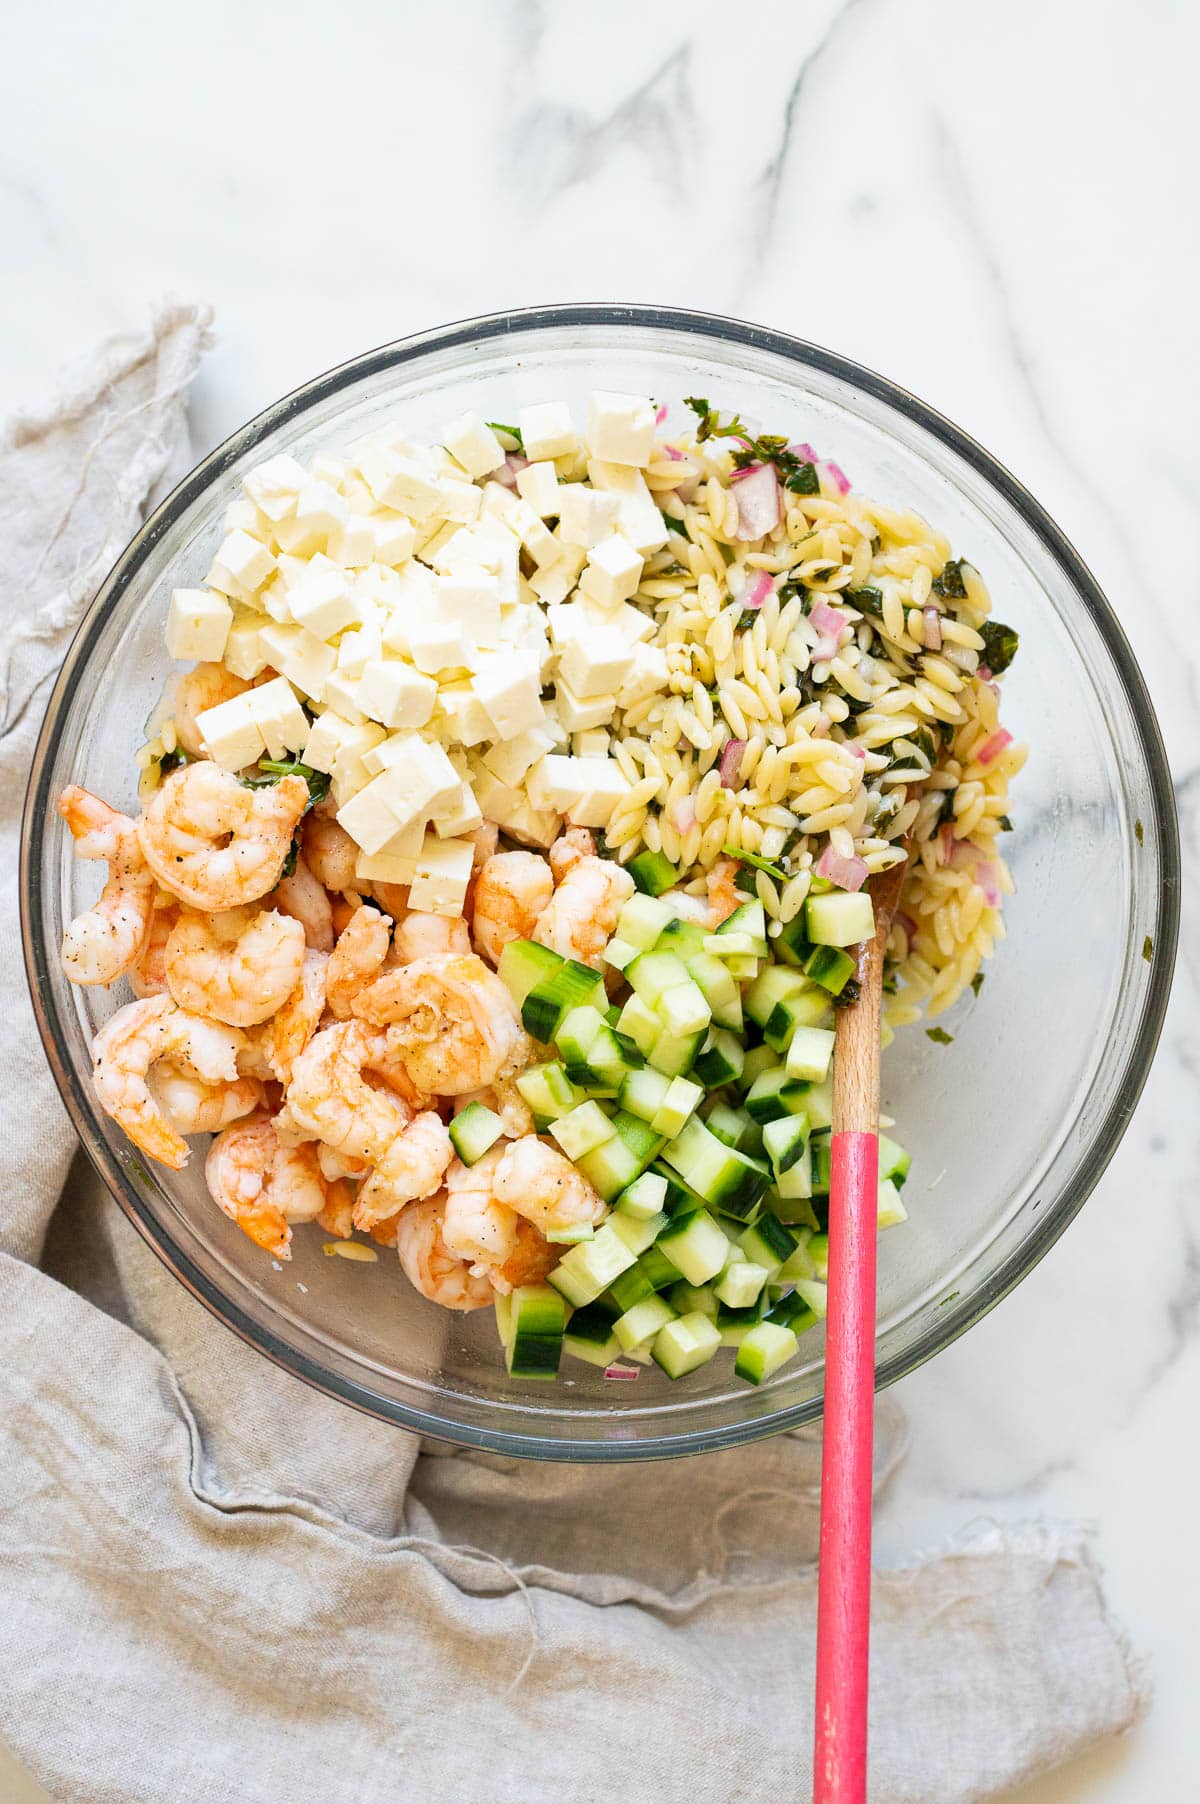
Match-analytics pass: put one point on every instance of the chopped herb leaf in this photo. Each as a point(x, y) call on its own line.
point(977, 982)
point(759, 864)
point(939, 1036)
point(711, 424)
point(174, 760)
point(1004, 824)
point(1139, 832)
point(293, 855)
point(1147, 949)
point(747, 618)
point(805, 481)
point(674, 525)
point(876, 545)
point(950, 583)
point(512, 432)
point(1000, 644)
point(270, 770)
point(891, 983)
point(769, 448)
point(867, 601)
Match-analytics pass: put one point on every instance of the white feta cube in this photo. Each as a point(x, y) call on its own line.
point(396, 694)
point(404, 481)
point(511, 809)
point(443, 870)
point(358, 647)
point(464, 816)
point(341, 691)
point(352, 769)
point(198, 623)
point(328, 735)
point(458, 500)
point(436, 645)
point(384, 867)
point(368, 816)
point(538, 485)
point(620, 427)
point(614, 570)
point(509, 759)
point(411, 601)
point(353, 544)
point(418, 778)
point(552, 782)
point(395, 537)
point(638, 514)
point(546, 430)
point(231, 733)
point(585, 516)
point(473, 444)
point(604, 784)
point(592, 744)
point(576, 713)
point(300, 656)
point(323, 600)
point(321, 509)
point(509, 686)
point(648, 676)
point(274, 486)
point(533, 533)
point(281, 720)
point(246, 559)
point(325, 467)
point(461, 717)
point(243, 654)
point(471, 598)
point(596, 660)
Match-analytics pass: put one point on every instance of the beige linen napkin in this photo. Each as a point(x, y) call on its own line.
point(218, 1586)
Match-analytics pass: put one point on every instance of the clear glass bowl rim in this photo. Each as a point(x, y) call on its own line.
point(39, 815)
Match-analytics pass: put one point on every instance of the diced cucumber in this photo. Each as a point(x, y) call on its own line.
point(642, 1321)
point(652, 872)
point(756, 1061)
point(638, 1232)
point(768, 1243)
point(684, 938)
point(751, 918)
point(894, 1162)
point(773, 1093)
point(523, 965)
point(790, 945)
point(718, 988)
point(642, 919)
point(810, 1053)
point(795, 1212)
point(791, 1311)
point(652, 973)
point(795, 1184)
point(830, 967)
point(684, 1344)
point(694, 1299)
point(740, 1284)
point(538, 1319)
point(733, 1325)
point(570, 1236)
point(728, 1179)
point(891, 1209)
point(674, 1054)
point(771, 987)
point(696, 1245)
point(840, 919)
point(809, 1007)
point(595, 1055)
point(644, 1092)
point(577, 1032)
point(680, 1199)
point(764, 1350)
point(645, 1197)
point(660, 1270)
point(639, 1023)
point(680, 1102)
point(503, 1308)
point(720, 1060)
point(587, 1270)
point(590, 1336)
point(571, 986)
point(818, 1252)
point(548, 1090)
point(815, 1295)
point(584, 1129)
point(612, 1167)
point(744, 966)
point(683, 1009)
point(728, 946)
point(630, 1288)
point(818, 1105)
point(474, 1130)
point(786, 1142)
point(733, 1127)
point(618, 953)
point(820, 1147)
point(798, 1264)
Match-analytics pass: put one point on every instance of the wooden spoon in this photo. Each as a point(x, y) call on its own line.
point(844, 1575)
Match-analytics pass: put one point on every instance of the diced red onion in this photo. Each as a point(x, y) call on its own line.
point(825, 648)
point(731, 762)
point(856, 750)
point(933, 630)
point(506, 475)
point(988, 878)
point(683, 815)
point(758, 591)
point(805, 453)
point(757, 494)
point(846, 873)
point(946, 840)
point(993, 745)
point(625, 1372)
point(827, 619)
point(984, 672)
point(820, 727)
point(661, 415)
point(841, 481)
point(674, 453)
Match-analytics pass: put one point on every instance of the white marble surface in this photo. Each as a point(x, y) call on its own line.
point(995, 206)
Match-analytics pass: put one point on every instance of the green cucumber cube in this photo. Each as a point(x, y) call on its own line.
point(815, 1295)
point(660, 1270)
point(645, 1197)
point(718, 988)
point(618, 953)
point(795, 1184)
point(642, 1322)
point(721, 1059)
point(792, 1312)
point(523, 965)
point(830, 967)
point(584, 1129)
point(840, 919)
point(630, 1287)
point(570, 1237)
point(673, 1054)
point(652, 872)
point(584, 1272)
point(740, 1284)
point(894, 1162)
point(818, 1252)
point(548, 1090)
point(683, 938)
point(810, 1053)
point(696, 1245)
point(538, 1320)
point(765, 1348)
point(643, 1093)
point(637, 1233)
point(727, 946)
point(693, 1299)
point(589, 1335)
point(641, 920)
point(768, 1243)
point(818, 1106)
point(653, 972)
point(798, 1264)
point(639, 1023)
point(682, 1345)
point(683, 1008)
point(891, 1208)
point(679, 1102)
point(750, 917)
point(474, 1130)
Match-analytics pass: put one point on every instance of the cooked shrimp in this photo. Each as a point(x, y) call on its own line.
point(337, 1217)
point(101, 944)
point(504, 1100)
point(148, 977)
point(723, 897)
point(202, 687)
point(512, 890)
point(290, 1029)
point(476, 1227)
point(483, 840)
point(304, 899)
point(214, 843)
point(429, 1265)
point(238, 966)
point(131, 1042)
point(195, 1107)
point(412, 1167)
point(579, 919)
point(361, 949)
point(329, 852)
point(532, 1259)
point(329, 1098)
point(569, 848)
point(536, 1180)
point(263, 1184)
point(336, 1165)
point(450, 1022)
point(392, 898)
point(425, 936)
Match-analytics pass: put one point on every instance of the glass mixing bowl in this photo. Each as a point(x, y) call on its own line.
point(1009, 1128)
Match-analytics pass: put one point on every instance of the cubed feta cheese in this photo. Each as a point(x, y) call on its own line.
point(614, 570)
point(341, 690)
point(401, 480)
point(461, 718)
point(352, 769)
point(281, 720)
point(458, 500)
point(464, 816)
point(394, 535)
point(471, 598)
point(552, 782)
point(620, 427)
point(328, 735)
point(585, 516)
point(325, 467)
point(648, 676)
point(638, 514)
point(510, 688)
point(418, 778)
point(246, 559)
point(243, 514)
point(577, 713)
point(368, 816)
point(198, 624)
point(300, 656)
point(473, 444)
point(533, 533)
point(411, 601)
point(353, 544)
point(396, 694)
point(244, 655)
point(320, 508)
point(443, 870)
point(604, 785)
point(384, 867)
point(538, 485)
point(274, 486)
point(511, 809)
point(323, 600)
point(596, 660)
point(232, 733)
point(546, 430)
point(436, 645)
point(509, 759)
point(359, 647)
point(592, 744)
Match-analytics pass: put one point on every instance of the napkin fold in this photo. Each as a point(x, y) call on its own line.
point(218, 1585)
